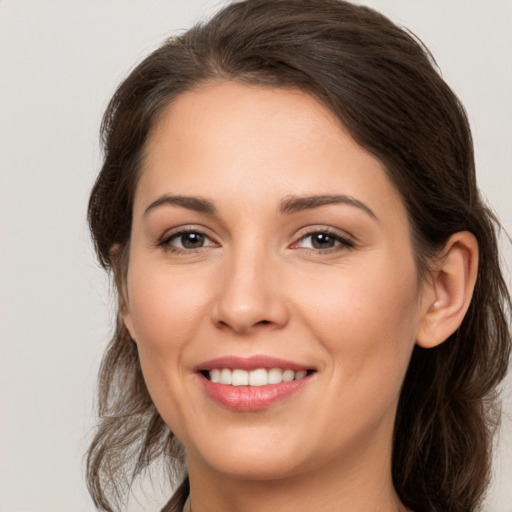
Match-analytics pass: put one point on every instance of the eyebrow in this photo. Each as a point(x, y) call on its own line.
point(190, 203)
point(293, 204)
point(289, 205)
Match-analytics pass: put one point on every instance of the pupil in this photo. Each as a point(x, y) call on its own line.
point(192, 240)
point(322, 241)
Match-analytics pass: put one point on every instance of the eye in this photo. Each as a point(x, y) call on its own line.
point(187, 240)
point(323, 240)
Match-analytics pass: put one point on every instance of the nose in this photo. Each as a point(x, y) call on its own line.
point(250, 295)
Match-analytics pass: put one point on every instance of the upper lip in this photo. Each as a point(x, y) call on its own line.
point(250, 363)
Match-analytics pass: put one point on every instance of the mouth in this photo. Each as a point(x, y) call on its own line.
point(255, 383)
point(254, 378)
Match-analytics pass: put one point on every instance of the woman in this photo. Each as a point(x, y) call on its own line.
point(311, 307)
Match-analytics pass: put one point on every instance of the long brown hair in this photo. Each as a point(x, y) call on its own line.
point(383, 85)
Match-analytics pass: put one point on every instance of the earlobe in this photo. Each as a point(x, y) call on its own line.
point(118, 258)
point(127, 319)
point(453, 283)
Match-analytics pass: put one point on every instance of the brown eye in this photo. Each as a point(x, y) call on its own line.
point(324, 240)
point(192, 240)
point(187, 240)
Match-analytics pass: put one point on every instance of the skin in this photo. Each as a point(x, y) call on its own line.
point(353, 311)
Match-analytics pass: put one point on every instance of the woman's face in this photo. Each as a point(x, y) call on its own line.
point(268, 246)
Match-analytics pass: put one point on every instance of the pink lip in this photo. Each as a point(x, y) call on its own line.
point(251, 398)
point(250, 363)
point(247, 398)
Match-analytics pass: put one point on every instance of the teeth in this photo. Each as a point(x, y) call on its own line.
point(288, 375)
point(259, 377)
point(239, 378)
point(275, 376)
point(225, 376)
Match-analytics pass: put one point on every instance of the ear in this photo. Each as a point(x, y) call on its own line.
point(125, 310)
point(127, 319)
point(453, 281)
point(119, 263)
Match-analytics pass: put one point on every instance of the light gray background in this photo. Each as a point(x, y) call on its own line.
point(60, 61)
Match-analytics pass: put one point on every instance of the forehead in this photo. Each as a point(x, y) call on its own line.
point(257, 143)
point(227, 112)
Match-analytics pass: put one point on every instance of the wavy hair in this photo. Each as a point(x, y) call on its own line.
point(383, 85)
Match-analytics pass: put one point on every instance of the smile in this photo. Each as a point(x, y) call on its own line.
point(258, 377)
point(254, 383)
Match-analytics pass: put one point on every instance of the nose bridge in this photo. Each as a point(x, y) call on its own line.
point(249, 292)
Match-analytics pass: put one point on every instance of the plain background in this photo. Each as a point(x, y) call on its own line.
point(60, 61)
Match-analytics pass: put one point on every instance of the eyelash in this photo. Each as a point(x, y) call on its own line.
point(166, 240)
point(341, 242)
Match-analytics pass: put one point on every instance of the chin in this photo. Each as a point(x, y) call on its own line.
point(261, 469)
point(254, 459)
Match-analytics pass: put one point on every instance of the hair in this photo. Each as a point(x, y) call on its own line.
point(383, 85)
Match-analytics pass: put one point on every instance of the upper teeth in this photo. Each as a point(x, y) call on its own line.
point(259, 377)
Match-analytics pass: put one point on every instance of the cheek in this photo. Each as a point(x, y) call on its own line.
point(165, 307)
point(166, 311)
point(366, 319)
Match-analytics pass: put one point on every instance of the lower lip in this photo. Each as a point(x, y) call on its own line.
point(251, 398)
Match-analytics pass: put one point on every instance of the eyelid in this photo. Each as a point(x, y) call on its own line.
point(164, 240)
point(346, 240)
